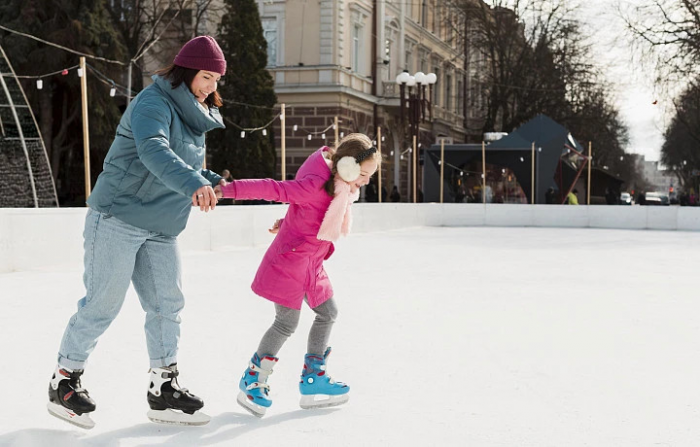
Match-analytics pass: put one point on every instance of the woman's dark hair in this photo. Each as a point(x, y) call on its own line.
point(177, 75)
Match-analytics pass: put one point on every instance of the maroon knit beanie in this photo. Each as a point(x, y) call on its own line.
point(202, 53)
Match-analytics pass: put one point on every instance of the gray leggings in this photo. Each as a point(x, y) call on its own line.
point(286, 322)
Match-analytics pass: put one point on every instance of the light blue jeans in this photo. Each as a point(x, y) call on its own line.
point(117, 253)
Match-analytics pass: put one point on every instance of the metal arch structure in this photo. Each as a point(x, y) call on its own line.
point(26, 180)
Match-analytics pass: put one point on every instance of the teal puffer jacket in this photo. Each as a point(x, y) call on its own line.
point(155, 162)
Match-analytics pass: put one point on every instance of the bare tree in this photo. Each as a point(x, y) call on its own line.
point(669, 31)
point(534, 57)
point(158, 27)
point(682, 138)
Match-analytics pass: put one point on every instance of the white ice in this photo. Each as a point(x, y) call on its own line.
point(447, 336)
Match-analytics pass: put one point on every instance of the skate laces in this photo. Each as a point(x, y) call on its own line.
point(74, 380)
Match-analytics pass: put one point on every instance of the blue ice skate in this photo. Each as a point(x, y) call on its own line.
point(317, 388)
point(254, 394)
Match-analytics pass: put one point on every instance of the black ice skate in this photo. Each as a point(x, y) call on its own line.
point(68, 401)
point(171, 404)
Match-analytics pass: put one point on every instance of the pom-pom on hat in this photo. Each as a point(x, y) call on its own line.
point(202, 53)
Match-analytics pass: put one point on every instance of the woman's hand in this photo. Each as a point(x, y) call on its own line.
point(204, 198)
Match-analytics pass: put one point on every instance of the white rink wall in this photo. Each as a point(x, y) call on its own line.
point(36, 238)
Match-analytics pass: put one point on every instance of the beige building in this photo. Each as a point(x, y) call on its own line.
point(339, 58)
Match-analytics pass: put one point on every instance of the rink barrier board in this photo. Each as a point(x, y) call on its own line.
point(45, 237)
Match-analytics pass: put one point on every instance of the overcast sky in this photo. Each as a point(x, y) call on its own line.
point(632, 83)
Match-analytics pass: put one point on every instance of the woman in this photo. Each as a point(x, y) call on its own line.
point(151, 178)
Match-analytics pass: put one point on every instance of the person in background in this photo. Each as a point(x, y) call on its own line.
point(572, 198)
point(395, 195)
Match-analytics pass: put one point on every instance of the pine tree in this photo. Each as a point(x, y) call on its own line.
point(246, 81)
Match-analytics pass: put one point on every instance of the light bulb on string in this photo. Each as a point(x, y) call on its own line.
point(243, 134)
point(264, 132)
point(39, 84)
point(112, 92)
point(80, 72)
point(323, 135)
point(309, 137)
point(295, 128)
point(342, 134)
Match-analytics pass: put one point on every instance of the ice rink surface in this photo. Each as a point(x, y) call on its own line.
point(446, 336)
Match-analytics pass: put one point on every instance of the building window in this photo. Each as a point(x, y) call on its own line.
point(437, 87)
point(356, 46)
point(270, 33)
point(434, 25)
point(460, 97)
point(448, 92)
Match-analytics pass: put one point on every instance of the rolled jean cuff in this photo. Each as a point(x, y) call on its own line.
point(73, 365)
point(162, 363)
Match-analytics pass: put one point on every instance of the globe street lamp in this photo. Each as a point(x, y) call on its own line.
point(416, 107)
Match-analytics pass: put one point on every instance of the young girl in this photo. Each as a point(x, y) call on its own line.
point(292, 268)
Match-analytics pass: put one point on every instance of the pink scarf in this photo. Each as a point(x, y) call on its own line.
point(338, 218)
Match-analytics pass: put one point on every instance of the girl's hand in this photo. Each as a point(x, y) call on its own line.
point(275, 227)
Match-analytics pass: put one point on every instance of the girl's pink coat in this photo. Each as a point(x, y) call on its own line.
point(293, 265)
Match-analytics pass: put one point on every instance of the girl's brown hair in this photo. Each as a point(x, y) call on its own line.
point(177, 75)
point(352, 145)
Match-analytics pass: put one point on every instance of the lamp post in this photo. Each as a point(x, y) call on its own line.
point(417, 103)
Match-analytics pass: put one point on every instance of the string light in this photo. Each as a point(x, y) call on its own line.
point(295, 128)
point(264, 132)
point(80, 72)
point(243, 134)
point(309, 137)
point(39, 84)
point(323, 135)
point(112, 92)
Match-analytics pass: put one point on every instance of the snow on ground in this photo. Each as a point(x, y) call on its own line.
point(447, 336)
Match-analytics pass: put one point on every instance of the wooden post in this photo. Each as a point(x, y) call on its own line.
point(284, 144)
point(86, 130)
point(532, 185)
point(442, 169)
point(483, 172)
point(415, 197)
point(379, 168)
point(590, 161)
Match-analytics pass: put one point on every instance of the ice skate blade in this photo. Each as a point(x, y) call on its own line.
point(61, 412)
point(311, 401)
point(173, 417)
point(250, 406)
